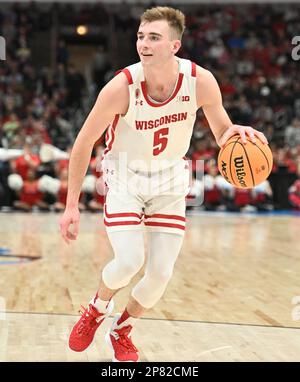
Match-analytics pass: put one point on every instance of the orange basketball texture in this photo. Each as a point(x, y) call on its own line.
point(245, 165)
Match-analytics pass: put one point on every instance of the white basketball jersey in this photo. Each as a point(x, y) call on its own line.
point(154, 135)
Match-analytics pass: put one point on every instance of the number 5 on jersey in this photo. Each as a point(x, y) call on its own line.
point(160, 141)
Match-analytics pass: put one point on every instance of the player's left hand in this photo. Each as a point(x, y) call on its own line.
point(244, 132)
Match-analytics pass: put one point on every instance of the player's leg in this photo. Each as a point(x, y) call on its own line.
point(128, 248)
point(122, 219)
point(165, 224)
point(165, 230)
point(163, 252)
point(127, 261)
point(165, 221)
point(164, 249)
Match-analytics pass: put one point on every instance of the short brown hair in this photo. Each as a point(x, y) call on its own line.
point(174, 17)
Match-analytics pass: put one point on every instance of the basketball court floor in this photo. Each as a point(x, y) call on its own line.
point(234, 295)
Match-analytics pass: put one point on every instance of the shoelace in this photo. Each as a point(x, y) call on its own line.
point(89, 320)
point(124, 340)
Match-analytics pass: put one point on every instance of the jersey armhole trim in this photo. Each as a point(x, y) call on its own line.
point(193, 69)
point(128, 75)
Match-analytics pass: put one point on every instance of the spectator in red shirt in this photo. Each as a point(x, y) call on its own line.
point(30, 195)
point(28, 161)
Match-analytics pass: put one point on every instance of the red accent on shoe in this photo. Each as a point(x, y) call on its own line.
point(122, 344)
point(84, 330)
point(97, 296)
point(124, 317)
point(95, 299)
point(108, 303)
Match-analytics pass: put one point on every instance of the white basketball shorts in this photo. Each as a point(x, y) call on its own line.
point(155, 199)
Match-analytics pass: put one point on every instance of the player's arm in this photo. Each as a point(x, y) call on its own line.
point(113, 99)
point(210, 99)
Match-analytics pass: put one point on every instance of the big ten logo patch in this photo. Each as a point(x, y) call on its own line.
point(183, 98)
point(296, 310)
point(2, 48)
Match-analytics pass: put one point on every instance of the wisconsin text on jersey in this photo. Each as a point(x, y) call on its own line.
point(153, 123)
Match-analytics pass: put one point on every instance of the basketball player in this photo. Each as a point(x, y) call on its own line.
point(150, 108)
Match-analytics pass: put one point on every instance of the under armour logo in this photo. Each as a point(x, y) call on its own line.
point(138, 103)
point(2, 48)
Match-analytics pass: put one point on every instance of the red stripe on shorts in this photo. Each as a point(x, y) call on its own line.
point(170, 225)
point(165, 216)
point(121, 223)
point(122, 214)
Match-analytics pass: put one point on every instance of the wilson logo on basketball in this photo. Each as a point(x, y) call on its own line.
point(239, 169)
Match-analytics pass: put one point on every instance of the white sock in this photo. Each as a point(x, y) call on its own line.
point(99, 304)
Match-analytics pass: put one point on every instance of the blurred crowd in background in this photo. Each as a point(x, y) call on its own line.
point(45, 102)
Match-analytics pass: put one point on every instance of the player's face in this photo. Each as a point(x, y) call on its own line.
point(154, 43)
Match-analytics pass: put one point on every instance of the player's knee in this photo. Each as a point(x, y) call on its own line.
point(131, 263)
point(130, 268)
point(161, 275)
point(117, 274)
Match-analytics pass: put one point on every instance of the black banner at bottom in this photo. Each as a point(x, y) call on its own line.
point(133, 371)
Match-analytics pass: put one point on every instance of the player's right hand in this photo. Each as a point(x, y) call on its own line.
point(70, 217)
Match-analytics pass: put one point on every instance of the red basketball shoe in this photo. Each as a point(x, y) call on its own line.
point(118, 339)
point(84, 330)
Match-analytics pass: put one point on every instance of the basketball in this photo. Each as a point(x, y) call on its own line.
point(245, 165)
